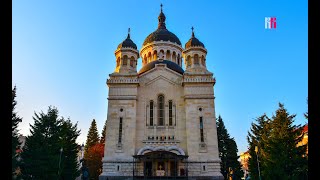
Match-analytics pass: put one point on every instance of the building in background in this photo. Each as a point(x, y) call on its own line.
point(244, 158)
point(161, 119)
point(304, 140)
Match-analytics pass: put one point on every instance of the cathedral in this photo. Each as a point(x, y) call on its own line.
point(161, 119)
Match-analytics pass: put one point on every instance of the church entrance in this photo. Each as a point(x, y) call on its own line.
point(159, 164)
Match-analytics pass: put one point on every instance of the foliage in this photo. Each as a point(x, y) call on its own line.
point(42, 156)
point(15, 139)
point(92, 137)
point(277, 139)
point(228, 152)
point(93, 152)
point(94, 160)
point(259, 132)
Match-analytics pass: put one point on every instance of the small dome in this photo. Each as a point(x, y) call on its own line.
point(162, 33)
point(171, 65)
point(127, 43)
point(193, 42)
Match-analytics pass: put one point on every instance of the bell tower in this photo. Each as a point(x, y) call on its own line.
point(126, 56)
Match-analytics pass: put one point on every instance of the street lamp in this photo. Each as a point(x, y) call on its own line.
point(59, 162)
point(256, 150)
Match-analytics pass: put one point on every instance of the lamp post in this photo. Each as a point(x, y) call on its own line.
point(256, 150)
point(59, 162)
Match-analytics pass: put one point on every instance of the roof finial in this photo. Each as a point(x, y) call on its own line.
point(192, 31)
point(128, 33)
point(162, 19)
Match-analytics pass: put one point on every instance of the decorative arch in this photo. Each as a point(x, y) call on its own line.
point(174, 149)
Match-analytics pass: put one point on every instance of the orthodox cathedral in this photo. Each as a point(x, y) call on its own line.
point(161, 118)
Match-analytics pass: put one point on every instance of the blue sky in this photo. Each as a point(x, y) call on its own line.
point(63, 52)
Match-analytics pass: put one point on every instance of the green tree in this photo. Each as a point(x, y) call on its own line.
point(232, 159)
point(103, 133)
point(285, 159)
point(69, 164)
point(42, 156)
point(92, 137)
point(258, 134)
point(15, 139)
point(227, 152)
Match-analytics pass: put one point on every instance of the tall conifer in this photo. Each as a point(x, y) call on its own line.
point(92, 137)
point(228, 152)
point(15, 139)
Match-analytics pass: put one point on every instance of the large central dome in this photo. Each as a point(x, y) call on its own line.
point(162, 34)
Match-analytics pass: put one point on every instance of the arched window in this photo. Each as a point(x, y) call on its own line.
point(170, 113)
point(155, 56)
point(149, 57)
point(196, 59)
point(202, 60)
point(188, 61)
point(178, 59)
point(160, 110)
point(132, 61)
point(125, 60)
point(118, 62)
point(174, 56)
point(151, 113)
point(168, 55)
point(145, 59)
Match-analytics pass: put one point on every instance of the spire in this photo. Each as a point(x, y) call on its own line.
point(128, 37)
point(192, 32)
point(162, 19)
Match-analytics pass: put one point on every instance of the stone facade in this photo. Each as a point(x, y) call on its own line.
point(161, 120)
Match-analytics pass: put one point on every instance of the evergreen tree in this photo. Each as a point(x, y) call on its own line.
point(50, 151)
point(228, 152)
point(259, 134)
point(232, 160)
point(103, 133)
point(15, 139)
point(285, 159)
point(93, 163)
point(92, 137)
point(223, 137)
point(41, 151)
point(69, 164)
